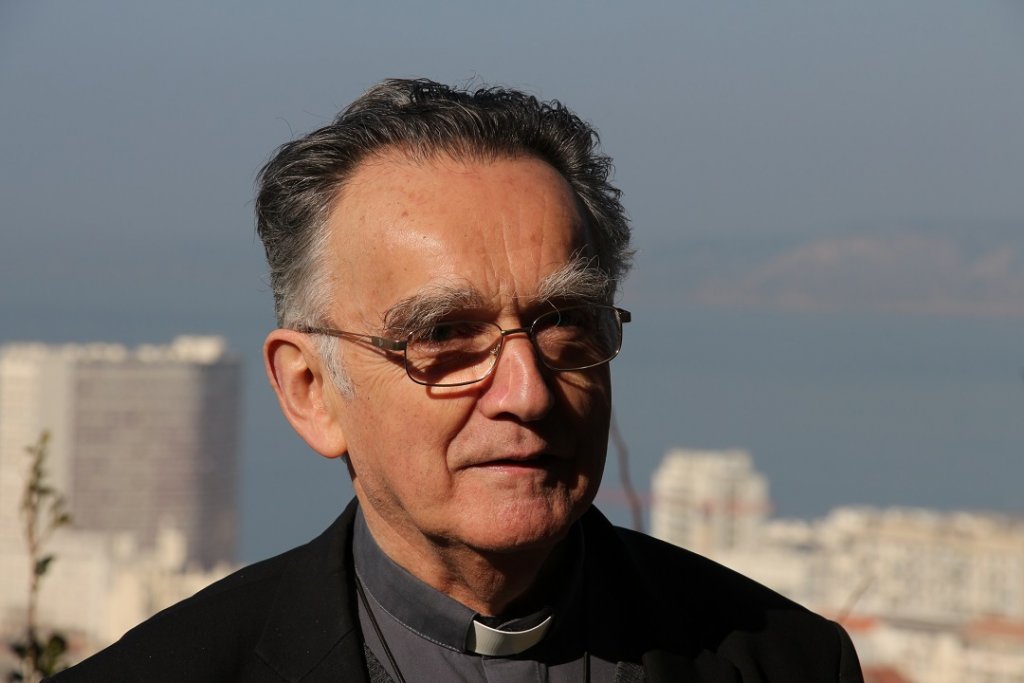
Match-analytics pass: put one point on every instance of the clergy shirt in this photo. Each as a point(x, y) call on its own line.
point(431, 636)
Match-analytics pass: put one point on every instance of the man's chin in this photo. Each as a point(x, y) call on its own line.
point(526, 531)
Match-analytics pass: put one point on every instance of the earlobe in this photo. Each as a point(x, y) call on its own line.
point(306, 395)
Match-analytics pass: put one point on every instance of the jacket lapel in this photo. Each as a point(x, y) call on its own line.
point(313, 632)
point(639, 636)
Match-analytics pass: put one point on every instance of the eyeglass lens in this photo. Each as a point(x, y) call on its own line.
point(462, 352)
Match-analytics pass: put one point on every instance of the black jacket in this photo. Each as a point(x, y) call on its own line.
point(293, 618)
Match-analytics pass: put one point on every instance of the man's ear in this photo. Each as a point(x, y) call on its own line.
point(304, 391)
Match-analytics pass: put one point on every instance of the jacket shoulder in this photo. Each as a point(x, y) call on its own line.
point(675, 571)
point(699, 610)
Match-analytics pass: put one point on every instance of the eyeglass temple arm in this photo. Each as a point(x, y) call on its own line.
point(379, 342)
point(387, 344)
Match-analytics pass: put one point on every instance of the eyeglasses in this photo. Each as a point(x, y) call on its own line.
point(454, 353)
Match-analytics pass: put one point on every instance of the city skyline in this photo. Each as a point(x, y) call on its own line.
point(825, 201)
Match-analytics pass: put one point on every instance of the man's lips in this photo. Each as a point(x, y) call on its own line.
point(532, 459)
point(519, 449)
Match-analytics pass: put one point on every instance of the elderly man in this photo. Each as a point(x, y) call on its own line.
point(444, 265)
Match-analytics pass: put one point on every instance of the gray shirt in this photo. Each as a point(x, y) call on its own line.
point(431, 636)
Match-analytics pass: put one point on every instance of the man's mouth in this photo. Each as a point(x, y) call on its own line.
point(527, 460)
point(539, 461)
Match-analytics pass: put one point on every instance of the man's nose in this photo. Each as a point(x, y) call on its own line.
point(518, 385)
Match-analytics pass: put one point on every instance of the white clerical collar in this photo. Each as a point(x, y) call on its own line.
point(492, 642)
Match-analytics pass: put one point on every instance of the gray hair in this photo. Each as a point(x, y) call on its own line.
point(298, 187)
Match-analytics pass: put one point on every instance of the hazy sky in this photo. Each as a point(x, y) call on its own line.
point(828, 203)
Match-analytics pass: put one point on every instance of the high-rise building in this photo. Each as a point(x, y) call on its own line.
point(142, 439)
point(708, 501)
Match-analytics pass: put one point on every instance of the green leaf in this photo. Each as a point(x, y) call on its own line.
point(49, 658)
point(42, 564)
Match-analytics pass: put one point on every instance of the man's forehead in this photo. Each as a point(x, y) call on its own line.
point(439, 235)
point(442, 208)
point(385, 176)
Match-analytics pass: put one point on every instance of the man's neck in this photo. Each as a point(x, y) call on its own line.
point(488, 582)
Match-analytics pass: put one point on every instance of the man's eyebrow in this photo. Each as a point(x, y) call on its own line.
point(578, 280)
point(430, 305)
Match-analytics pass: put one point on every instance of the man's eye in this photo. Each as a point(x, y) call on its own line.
point(449, 333)
point(573, 317)
point(433, 334)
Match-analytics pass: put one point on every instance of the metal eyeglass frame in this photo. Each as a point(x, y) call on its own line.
point(400, 345)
